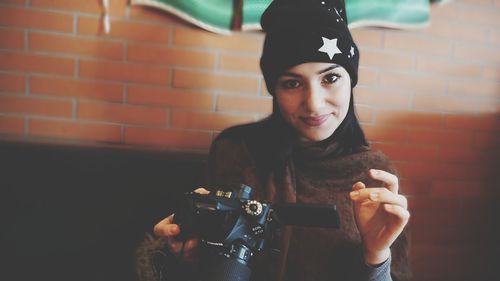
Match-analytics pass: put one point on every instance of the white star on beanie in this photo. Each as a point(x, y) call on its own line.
point(330, 47)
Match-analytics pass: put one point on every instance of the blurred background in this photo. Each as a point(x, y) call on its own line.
point(156, 86)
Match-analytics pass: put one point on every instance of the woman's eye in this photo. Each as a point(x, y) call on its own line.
point(331, 78)
point(290, 84)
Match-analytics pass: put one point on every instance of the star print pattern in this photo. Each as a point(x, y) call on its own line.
point(330, 47)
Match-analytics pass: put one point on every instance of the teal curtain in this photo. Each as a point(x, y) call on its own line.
point(220, 16)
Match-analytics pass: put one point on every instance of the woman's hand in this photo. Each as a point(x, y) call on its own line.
point(381, 214)
point(166, 228)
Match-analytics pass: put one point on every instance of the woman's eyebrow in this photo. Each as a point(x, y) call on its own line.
point(291, 74)
point(318, 73)
point(328, 69)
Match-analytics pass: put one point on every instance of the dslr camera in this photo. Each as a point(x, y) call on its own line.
point(233, 228)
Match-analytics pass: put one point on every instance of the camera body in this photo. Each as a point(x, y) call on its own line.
point(228, 220)
point(232, 228)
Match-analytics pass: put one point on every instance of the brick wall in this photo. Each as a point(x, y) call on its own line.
point(428, 98)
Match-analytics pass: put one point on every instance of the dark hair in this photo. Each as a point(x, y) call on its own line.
point(276, 146)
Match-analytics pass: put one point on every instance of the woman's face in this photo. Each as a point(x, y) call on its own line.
point(314, 98)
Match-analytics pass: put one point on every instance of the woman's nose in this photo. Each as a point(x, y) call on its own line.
point(314, 99)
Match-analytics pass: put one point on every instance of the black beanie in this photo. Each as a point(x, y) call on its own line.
point(300, 31)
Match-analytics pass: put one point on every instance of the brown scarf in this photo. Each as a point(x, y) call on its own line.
point(322, 173)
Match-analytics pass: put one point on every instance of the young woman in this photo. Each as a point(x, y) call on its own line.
point(313, 150)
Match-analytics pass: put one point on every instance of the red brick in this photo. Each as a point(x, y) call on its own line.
point(416, 44)
point(27, 18)
point(477, 53)
point(170, 56)
point(486, 140)
point(494, 36)
point(35, 106)
point(168, 138)
point(244, 104)
point(239, 63)
point(199, 38)
point(455, 190)
point(444, 28)
point(11, 125)
point(143, 32)
point(444, 217)
point(386, 134)
point(365, 114)
point(445, 234)
point(206, 120)
point(35, 63)
point(441, 137)
point(368, 36)
point(448, 67)
point(415, 82)
point(488, 106)
point(456, 13)
point(84, 89)
point(11, 39)
point(367, 76)
point(446, 103)
point(74, 130)
point(75, 45)
point(432, 170)
point(473, 88)
point(382, 97)
point(12, 83)
point(14, 2)
point(463, 155)
point(414, 188)
point(202, 80)
point(408, 119)
point(479, 123)
point(383, 59)
point(125, 114)
point(405, 152)
point(491, 73)
point(116, 7)
point(430, 204)
point(157, 96)
point(128, 72)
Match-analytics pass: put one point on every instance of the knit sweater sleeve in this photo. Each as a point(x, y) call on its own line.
point(381, 272)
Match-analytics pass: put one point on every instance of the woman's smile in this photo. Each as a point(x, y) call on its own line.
point(315, 121)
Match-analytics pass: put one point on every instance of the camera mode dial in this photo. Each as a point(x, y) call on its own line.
point(252, 208)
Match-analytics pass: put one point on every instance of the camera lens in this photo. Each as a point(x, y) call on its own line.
point(252, 208)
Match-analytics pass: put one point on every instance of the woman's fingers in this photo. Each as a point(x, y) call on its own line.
point(390, 180)
point(177, 246)
point(166, 228)
point(379, 195)
point(400, 212)
point(359, 185)
point(201, 190)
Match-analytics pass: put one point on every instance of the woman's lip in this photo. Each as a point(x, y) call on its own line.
point(315, 121)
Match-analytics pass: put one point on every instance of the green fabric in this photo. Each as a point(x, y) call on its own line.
point(388, 12)
point(213, 15)
point(217, 15)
